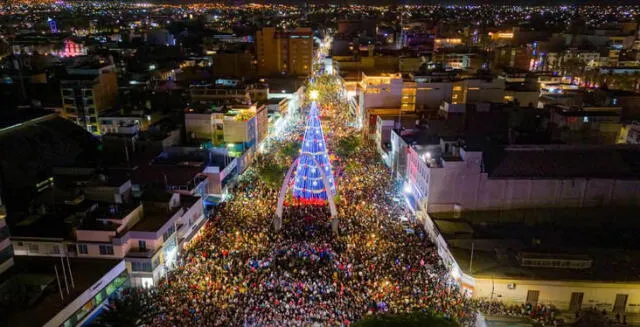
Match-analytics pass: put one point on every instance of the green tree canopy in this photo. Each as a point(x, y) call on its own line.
point(271, 174)
point(290, 149)
point(346, 146)
point(132, 308)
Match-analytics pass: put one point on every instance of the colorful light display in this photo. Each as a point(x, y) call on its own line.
point(314, 159)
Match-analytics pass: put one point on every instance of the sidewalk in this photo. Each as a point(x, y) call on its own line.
point(633, 319)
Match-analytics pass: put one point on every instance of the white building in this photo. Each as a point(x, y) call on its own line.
point(147, 236)
point(523, 177)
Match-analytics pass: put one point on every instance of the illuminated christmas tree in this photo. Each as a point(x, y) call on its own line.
point(308, 183)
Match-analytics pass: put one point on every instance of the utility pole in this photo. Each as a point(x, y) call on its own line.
point(64, 275)
point(73, 284)
point(58, 279)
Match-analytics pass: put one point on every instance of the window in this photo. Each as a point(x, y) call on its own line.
point(71, 248)
point(34, 248)
point(141, 266)
point(106, 249)
point(82, 249)
point(142, 245)
point(168, 233)
point(69, 101)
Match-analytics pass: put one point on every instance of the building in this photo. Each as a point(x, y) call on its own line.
point(231, 90)
point(76, 294)
point(589, 125)
point(146, 238)
point(441, 43)
point(43, 143)
point(147, 235)
point(229, 124)
point(478, 90)
point(521, 94)
point(115, 122)
point(88, 91)
point(461, 61)
point(630, 134)
point(237, 64)
point(6, 251)
point(514, 57)
point(192, 171)
point(543, 256)
point(460, 179)
point(284, 52)
point(395, 94)
point(408, 64)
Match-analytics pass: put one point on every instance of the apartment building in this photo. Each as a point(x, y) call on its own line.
point(87, 92)
point(284, 52)
point(146, 235)
point(238, 123)
point(392, 94)
point(211, 92)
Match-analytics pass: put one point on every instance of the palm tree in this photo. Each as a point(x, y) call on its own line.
point(131, 308)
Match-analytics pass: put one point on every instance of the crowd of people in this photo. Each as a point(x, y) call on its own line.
point(540, 313)
point(239, 272)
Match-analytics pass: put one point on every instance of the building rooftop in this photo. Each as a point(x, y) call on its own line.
point(221, 106)
point(155, 216)
point(33, 272)
point(113, 211)
point(563, 161)
point(588, 113)
point(602, 238)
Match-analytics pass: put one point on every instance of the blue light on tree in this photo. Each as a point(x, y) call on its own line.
point(308, 184)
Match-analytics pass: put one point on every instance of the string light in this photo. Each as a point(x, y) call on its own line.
point(313, 156)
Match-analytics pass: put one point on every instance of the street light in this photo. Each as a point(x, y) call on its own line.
point(314, 94)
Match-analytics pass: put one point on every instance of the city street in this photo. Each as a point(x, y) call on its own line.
point(239, 272)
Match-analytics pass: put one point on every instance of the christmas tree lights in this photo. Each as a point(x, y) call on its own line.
point(308, 181)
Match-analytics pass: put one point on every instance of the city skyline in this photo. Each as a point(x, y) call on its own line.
point(319, 163)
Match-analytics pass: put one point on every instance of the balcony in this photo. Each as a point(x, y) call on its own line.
point(140, 253)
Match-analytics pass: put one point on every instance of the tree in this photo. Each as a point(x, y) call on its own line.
point(131, 308)
point(290, 149)
point(416, 319)
point(347, 146)
point(271, 174)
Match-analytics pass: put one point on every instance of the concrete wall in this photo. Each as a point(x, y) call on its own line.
point(36, 247)
point(462, 183)
point(236, 131)
point(602, 295)
point(199, 125)
point(431, 95)
point(94, 235)
point(382, 95)
point(476, 191)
